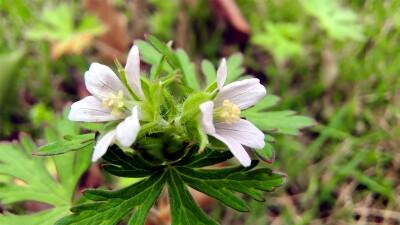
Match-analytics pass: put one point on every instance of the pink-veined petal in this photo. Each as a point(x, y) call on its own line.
point(243, 132)
point(90, 109)
point(236, 148)
point(128, 129)
point(221, 74)
point(206, 109)
point(132, 70)
point(243, 93)
point(100, 81)
point(102, 145)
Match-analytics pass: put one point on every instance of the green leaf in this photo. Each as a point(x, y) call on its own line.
point(219, 183)
point(282, 39)
point(267, 153)
point(207, 158)
point(108, 207)
point(126, 166)
point(209, 71)
point(285, 122)
point(339, 23)
point(184, 209)
point(151, 56)
point(40, 185)
point(10, 62)
point(234, 67)
point(111, 206)
point(188, 70)
point(71, 143)
point(164, 50)
point(188, 77)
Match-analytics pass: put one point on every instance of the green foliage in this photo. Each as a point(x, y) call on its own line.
point(282, 39)
point(108, 207)
point(58, 24)
point(285, 122)
point(38, 185)
point(70, 143)
point(338, 22)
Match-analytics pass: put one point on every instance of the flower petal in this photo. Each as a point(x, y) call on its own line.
point(221, 74)
point(236, 148)
point(243, 93)
point(206, 109)
point(243, 132)
point(90, 109)
point(128, 129)
point(132, 70)
point(100, 80)
point(102, 145)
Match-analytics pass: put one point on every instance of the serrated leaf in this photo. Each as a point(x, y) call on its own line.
point(61, 147)
point(40, 185)
point(283, 40)
point(340, 23)
point(285, 122)
point(114, 205)
point(108, 207)
point(184, 209)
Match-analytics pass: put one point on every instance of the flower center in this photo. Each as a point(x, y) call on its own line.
point(229, 112)
point(116, 103)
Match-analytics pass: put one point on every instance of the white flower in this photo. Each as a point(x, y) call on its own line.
point(221, 117)
point(111, 101)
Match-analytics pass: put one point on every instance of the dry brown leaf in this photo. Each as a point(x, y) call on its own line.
point(115, 40)
point(74, 45)
point(229, 10)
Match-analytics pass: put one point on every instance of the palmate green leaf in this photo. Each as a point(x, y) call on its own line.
point(16, 161)
point(340, 23)
point(282, 39)
point(285, 122)
point(109, 207)
point(58, 24)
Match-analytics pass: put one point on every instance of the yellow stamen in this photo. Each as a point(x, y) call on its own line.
point(116, 103)
point(229, 112)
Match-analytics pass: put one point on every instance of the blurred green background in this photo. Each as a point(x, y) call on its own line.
point(334, 60)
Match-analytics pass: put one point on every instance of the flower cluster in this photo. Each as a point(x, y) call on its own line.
point(144, 115)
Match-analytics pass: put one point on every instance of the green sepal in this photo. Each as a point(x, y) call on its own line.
point(191, 107)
